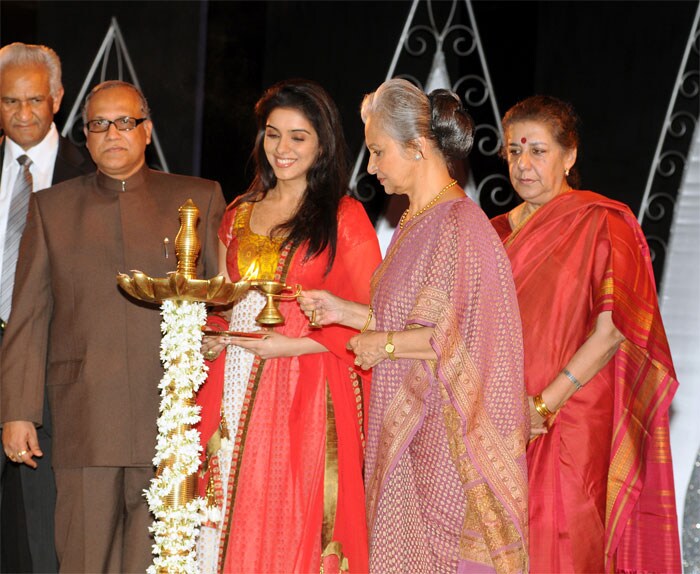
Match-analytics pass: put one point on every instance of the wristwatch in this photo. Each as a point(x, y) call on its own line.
point(389, 347)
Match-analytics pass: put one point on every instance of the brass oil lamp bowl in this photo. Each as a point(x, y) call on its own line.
point(274, 292)
point(182, 284)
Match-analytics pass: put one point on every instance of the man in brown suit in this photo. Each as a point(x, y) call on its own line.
point(75, 335)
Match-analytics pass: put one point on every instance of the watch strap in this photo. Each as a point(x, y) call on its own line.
point(389, 347)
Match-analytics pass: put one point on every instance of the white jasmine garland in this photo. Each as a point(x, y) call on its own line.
point(175, 529)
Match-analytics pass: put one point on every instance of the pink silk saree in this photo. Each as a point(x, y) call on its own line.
point(445, 468)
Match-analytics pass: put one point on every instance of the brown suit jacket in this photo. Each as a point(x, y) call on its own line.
point(74, 333)
point(29, 495)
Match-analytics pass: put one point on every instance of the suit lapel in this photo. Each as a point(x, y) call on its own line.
point(71, 161)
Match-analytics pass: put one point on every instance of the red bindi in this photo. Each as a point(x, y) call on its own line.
point(523, 140)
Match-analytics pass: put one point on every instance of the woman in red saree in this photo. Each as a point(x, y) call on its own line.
point(597, 364)
point(283, 415)
point(445, 470)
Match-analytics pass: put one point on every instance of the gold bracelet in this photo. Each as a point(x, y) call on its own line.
point(369, 319)
point(540, 407)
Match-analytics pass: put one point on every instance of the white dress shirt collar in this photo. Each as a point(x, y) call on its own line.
point(43, 156)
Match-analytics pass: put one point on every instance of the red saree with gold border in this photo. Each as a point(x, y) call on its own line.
point(601, 481)
point(445, 469)
point(293, 488)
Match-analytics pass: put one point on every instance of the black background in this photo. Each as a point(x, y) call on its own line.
point(202, 65)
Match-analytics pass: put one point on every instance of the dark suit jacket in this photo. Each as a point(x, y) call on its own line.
point(75, 333)
point(71, 161)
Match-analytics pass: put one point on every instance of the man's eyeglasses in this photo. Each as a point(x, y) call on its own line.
point(124, 124)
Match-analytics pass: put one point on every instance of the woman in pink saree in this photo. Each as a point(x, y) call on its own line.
point(445, 473)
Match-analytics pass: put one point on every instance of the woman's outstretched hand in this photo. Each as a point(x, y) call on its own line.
point(270, 346)
point(322, 307)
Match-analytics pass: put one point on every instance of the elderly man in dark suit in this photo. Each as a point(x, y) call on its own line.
point(30, 95)
point(76, 336)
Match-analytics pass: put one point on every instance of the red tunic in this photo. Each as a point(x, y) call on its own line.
point(294, 408)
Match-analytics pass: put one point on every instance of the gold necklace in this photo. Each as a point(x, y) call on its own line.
point(403, 221)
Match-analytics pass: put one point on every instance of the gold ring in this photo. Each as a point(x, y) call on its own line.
point(210, 355)
point(21, 453)
point(358, 361)
point(11, 457)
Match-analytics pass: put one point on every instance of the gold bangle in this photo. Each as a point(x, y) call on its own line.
point(540, 407)
point(369, 319)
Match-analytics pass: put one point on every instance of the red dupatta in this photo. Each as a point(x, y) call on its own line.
point(577, 256)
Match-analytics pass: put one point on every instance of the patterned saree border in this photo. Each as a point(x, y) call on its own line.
point(495, 539)
point(398, 426)
point(330, 491)
point(285, 258)
point(614, 290)
point(330, 475)
point(489, 536)
point(238, 448)
point(486, 461)
point(359, 394)
point(632, 436)
point(431, 304)
point(403, 413)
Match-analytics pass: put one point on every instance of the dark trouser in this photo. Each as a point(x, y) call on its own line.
point(102, 519)
point(16, 556)
point(28, 515)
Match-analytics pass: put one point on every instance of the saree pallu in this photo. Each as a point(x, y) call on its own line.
point(291, 481)
point(601, 480)
point(445, 468)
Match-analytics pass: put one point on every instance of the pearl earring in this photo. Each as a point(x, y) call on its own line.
point(417, 156)
point(566, 172)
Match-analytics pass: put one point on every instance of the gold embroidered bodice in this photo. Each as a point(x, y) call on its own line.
point(257, 254)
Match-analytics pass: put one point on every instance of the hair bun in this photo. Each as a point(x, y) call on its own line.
point(451, 124)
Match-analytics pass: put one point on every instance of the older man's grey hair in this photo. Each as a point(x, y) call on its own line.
point(110, 84)
point(19, 54)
